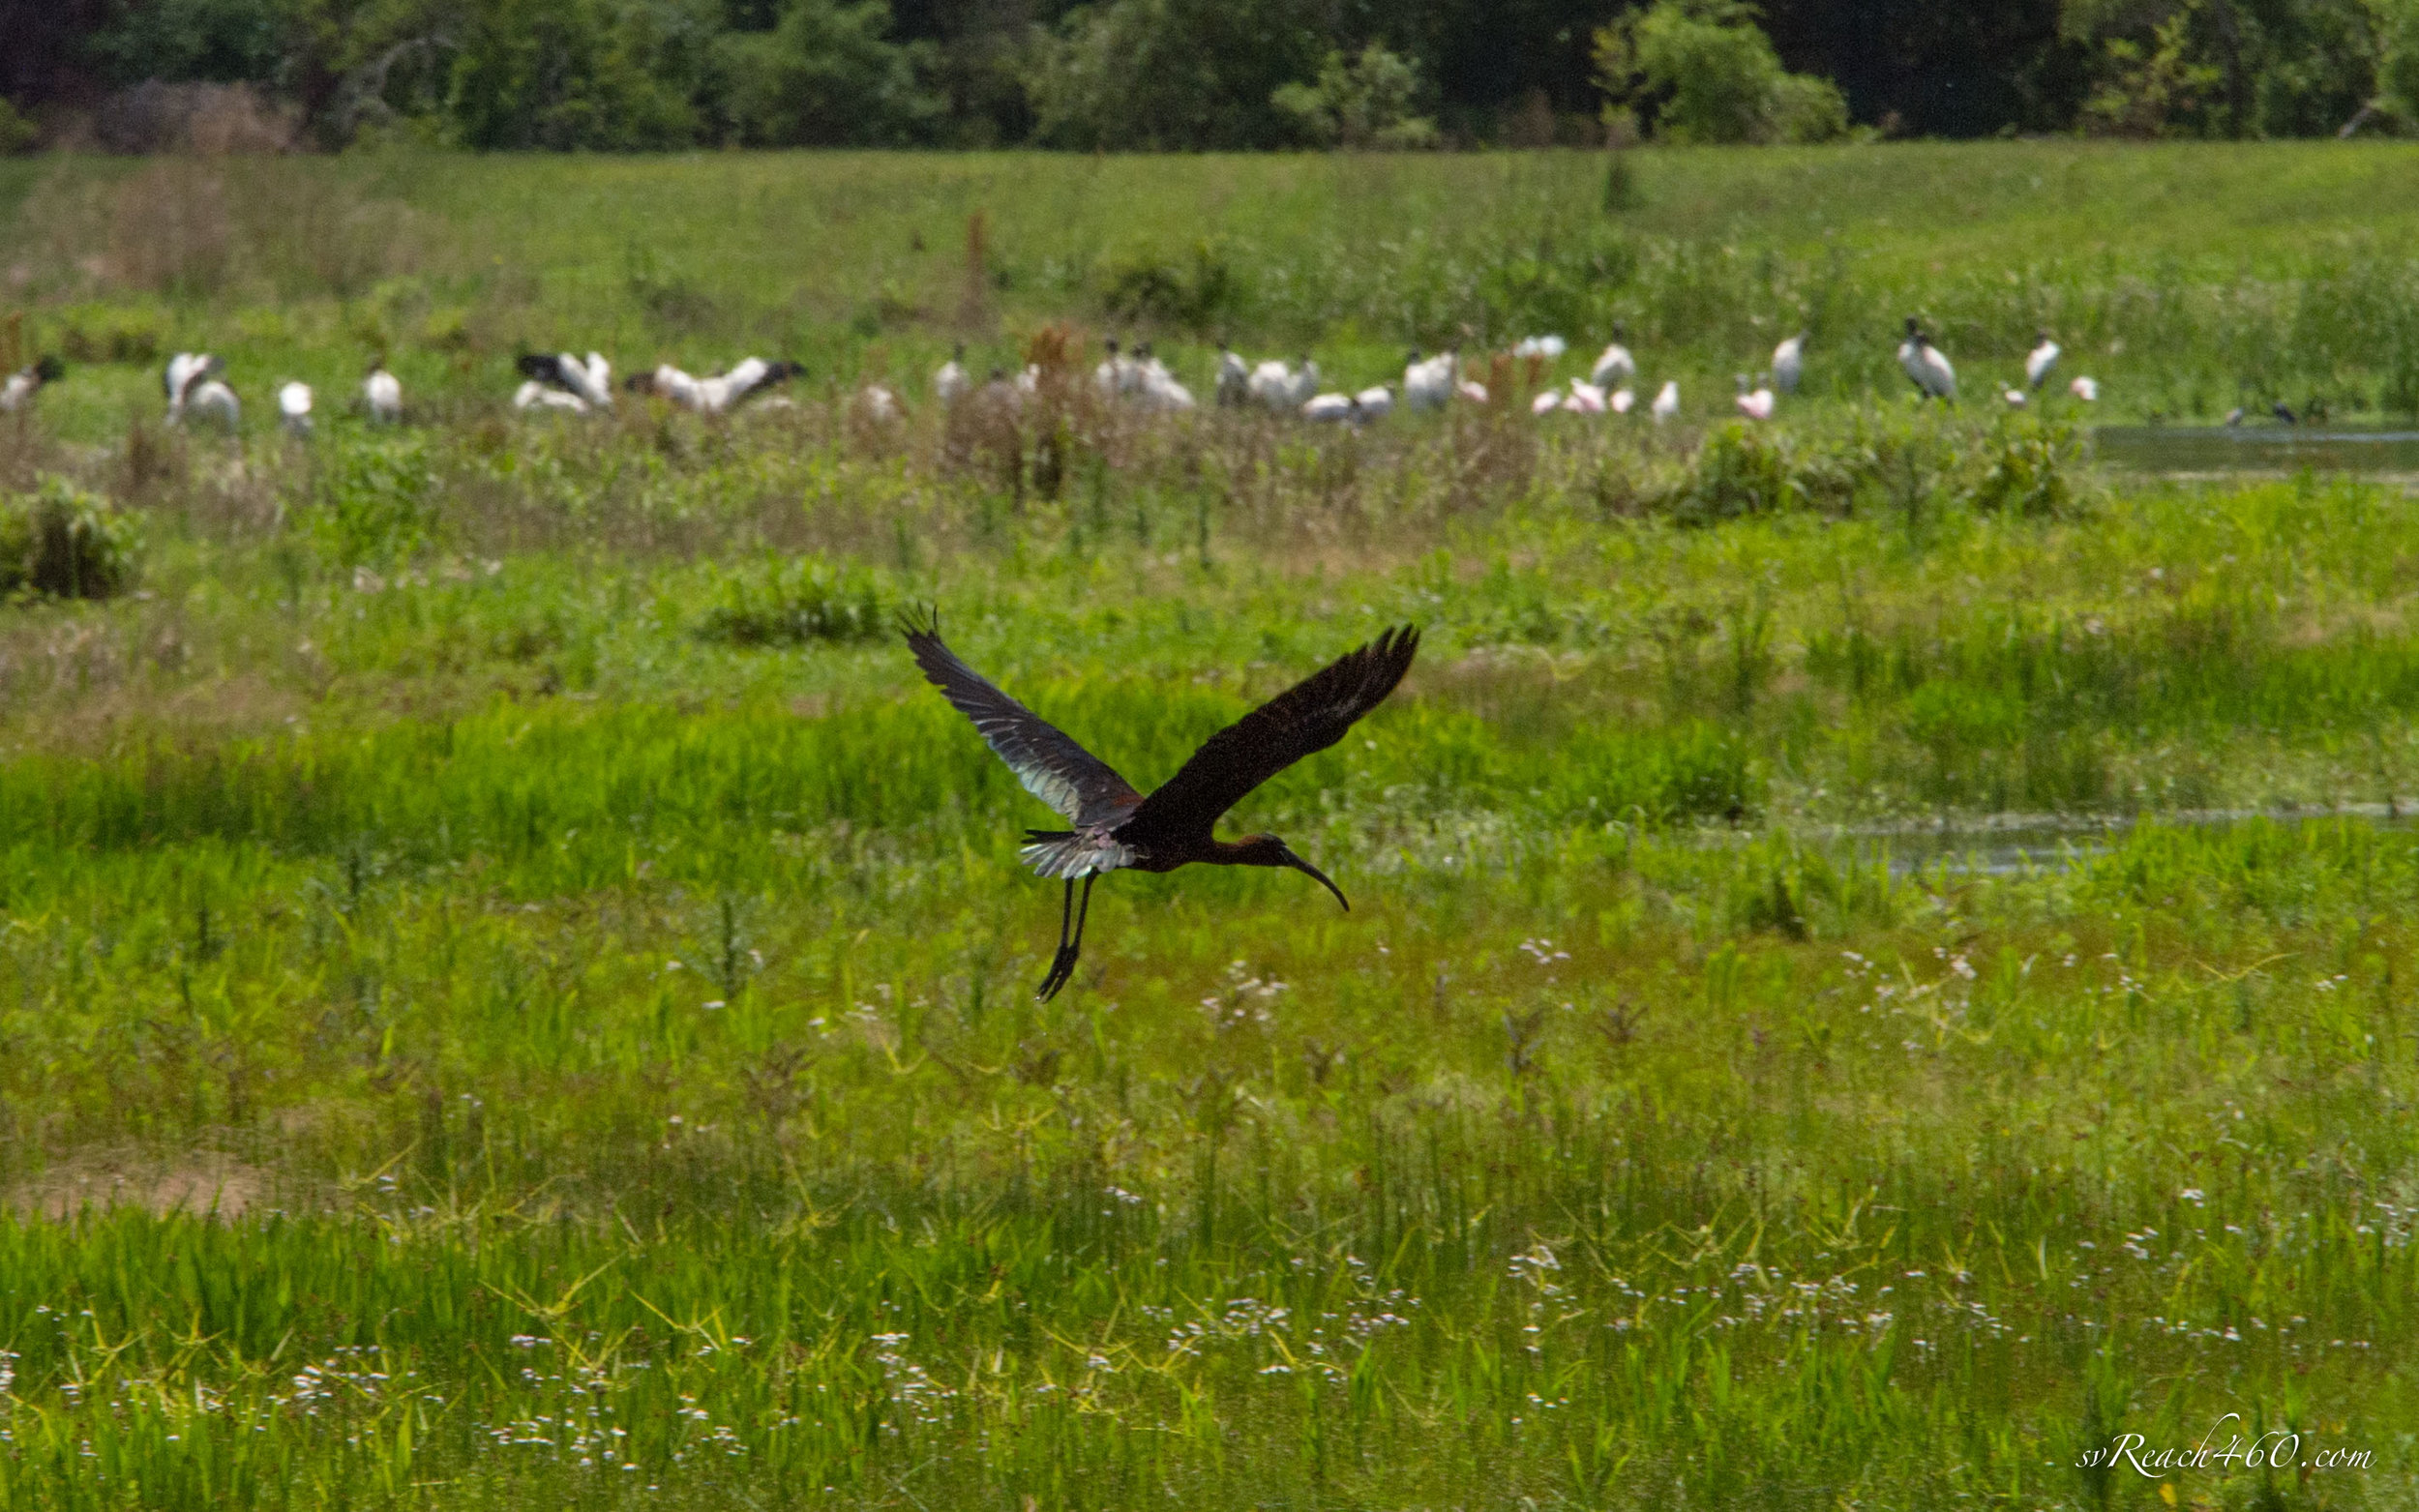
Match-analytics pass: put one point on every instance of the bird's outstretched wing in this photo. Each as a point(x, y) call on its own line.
point(1050, 764)
point(1308, 717)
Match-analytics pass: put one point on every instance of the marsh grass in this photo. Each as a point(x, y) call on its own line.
point(510, 996)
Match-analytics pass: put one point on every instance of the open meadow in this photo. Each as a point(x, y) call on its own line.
point(514, 993)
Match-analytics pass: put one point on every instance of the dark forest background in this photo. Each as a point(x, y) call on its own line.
point(1178, 75)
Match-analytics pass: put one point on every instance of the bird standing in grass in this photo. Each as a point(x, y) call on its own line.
point(1755, 403)
point(2043, 357)
point(950, 384)
point(1118, 828)
point(293, 407)
point(1933, 377)
point(1790, 364)
point(1616, 369)
point(1667, 406)
point(383, 393)
point(21, 386)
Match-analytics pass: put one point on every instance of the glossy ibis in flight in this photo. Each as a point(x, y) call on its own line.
point(1115, 826)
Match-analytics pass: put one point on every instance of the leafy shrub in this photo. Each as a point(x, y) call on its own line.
point(1197, 289)
point(1359, 101)
point(376, 501)
point(2016, 465)
point(827, 77)
point(61, 542)
point(796, 604)
point(1710, 75)
point(102, 333)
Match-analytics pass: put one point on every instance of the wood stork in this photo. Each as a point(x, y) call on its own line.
point(591, 382)
point(1154, 386)
point(1429, 385)
point(1118, 375)
point(1329, 407)
point(2085, 389)
point(1925, 367)
point(1790, 364)
point(1271, 383)
point(1756, 403)
point(382, 393)
point(293, 407)
point(1374, 404)
point(668, 382)
point(22, 385)
point(1233, 380)
point(2043, 357)
point(876, 405)
point(534, 394)
point(1667, 401)
point(747, 378)
point(950, 384)
point(2284, 412)
point(185, 373)
point(1547, 347)
point(1615, 369)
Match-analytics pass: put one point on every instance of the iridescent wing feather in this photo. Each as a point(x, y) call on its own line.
point(1309, 717)
point(1050, 764)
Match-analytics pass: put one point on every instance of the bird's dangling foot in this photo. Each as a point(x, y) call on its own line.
point(1070, 945)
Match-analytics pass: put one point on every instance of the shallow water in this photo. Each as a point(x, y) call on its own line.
point(2010, 844)
point(2263, 447)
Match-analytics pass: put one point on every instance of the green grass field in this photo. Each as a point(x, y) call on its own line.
point(512, 994)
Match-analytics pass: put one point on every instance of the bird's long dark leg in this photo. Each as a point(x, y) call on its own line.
point(1064, 967)
point(1058, 963)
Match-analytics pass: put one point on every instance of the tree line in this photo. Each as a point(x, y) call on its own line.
point(1219, 75)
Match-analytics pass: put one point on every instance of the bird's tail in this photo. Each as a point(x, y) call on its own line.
point(1062, 852)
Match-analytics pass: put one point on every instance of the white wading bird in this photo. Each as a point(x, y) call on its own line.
point(1790, 364)
point(1548, 347)
point(1616, 369)
point(1755, 404)
point(950, 384)
point(194, 388)
point(1329, 407)
point(293, 407)
point(382, 393)
point(1667, 401)
point(591, 382)
point(2043, 357)
point(1234, 381)
point(1429, 385)
point(25, 383)
point(2088, 391)
point(1374, 404)
point(1925, 365)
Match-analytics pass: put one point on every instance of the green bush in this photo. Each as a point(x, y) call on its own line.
point(1359, 101)
point(827, 77)
point(1712, 76)
point(796, 604)
point(60, 542)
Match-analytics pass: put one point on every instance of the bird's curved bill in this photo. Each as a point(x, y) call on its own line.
point(1299, 865)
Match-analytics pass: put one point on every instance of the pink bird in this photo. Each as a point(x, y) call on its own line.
point(1756, 405)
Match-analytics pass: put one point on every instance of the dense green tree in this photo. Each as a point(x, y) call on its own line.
point(1170, 74)
point(1702, 71)
point(564, 74)
point(828, 76)
point(1362, 101)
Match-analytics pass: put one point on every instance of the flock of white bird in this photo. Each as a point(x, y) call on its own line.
point(564, 384)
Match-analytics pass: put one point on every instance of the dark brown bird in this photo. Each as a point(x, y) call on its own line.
point(1115, 826)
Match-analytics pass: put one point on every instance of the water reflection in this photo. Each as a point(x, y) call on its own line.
point(2012, 845)
point(2187, 450)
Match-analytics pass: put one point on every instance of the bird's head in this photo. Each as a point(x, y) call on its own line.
point(1914, 329)
point(534, 365)
point(784, 372)
point(1268, 851)
point(957, 353)
point(1112, 347)
point(47, 368)
point(636, 383)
